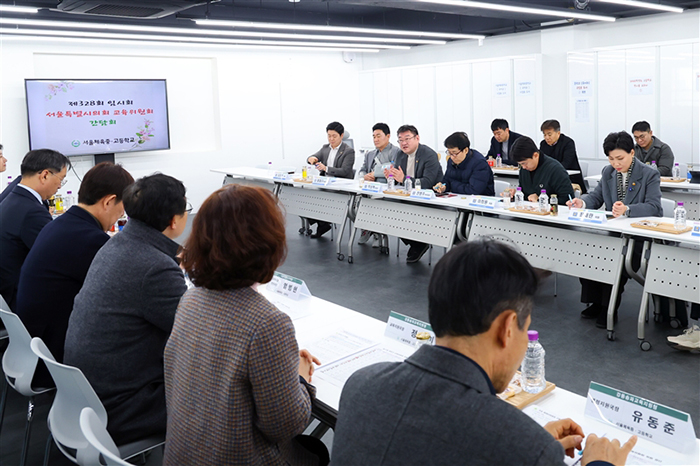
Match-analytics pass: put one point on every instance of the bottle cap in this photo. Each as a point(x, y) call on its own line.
point(70, 192)
point(680, 204)
point(543, 191)
point(533, 335)
point(519, 188)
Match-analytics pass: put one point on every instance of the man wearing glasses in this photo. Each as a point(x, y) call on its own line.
point(124, 312)
point(23, 214)
point(649, 148)
point(420, 162)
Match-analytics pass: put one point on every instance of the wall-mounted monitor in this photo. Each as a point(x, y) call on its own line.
point(97, 116)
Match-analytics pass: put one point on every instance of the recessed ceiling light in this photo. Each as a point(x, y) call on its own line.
point(520, 9)
point(18, 9)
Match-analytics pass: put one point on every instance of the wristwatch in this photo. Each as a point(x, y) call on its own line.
point(627, 212)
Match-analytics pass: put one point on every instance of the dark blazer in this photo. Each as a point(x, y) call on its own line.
point(643, 194)
point(472, 176)
point(22, 217)
point(427, 170)
point(53, 274)
point(121, 320)
point(342, 165)
point(497, 148)
point(564, 151)
point(436, 407)
point(550, 176)
point(9, 188)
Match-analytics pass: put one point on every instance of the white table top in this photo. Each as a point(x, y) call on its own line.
point(507, 172)
point(684, 185)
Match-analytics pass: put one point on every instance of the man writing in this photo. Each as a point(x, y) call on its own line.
point(540, 172)
point(439, 405)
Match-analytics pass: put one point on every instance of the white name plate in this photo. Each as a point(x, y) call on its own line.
point(372, 187)
point(280, 176)
point(423, 194)
point(405, 329)
point(696, 229)
point(288, 286)
point(321, 181)
point(484, 202)
point(588, 216)
point(635, 415)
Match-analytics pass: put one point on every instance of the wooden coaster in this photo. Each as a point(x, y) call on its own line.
point(299, 180)
point(668, 179)
point(659, 226)
point(528, 211)
point(508, 167)
point(397, 193)
point(524, 398)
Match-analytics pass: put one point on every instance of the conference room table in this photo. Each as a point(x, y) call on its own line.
point(317, 321)
point(510, 175)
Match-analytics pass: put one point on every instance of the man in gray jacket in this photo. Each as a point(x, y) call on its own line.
point(650, 149)
point(439, 406)
point(125, 311)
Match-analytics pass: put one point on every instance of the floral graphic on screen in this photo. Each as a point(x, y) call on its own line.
point(144, 133)
point(54, 89)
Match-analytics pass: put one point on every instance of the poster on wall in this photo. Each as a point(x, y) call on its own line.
point(583, 111)
point(525, 88)
point(641, 86)
point(501, 90)
point(581, 88)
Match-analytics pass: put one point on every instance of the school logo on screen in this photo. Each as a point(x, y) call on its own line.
point(75, 143)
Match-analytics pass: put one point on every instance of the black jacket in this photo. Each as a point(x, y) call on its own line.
point(497, 148)
point(550, 176)
point(564, 151)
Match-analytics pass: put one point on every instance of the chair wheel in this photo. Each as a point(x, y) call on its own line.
point(308, 232)
point(611, 335)
point(341, 257)
point(675, 323)
point(350, 260)
point(302, 230)
point(645, 345)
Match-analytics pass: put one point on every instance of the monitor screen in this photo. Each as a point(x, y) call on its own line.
point(86, 117)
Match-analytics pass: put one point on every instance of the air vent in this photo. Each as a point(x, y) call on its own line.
point(127, 8)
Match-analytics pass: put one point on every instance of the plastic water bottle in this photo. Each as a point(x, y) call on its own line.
point(390, 183)
point(676, 173)
point(416, 184)
point(68, 200)
point(519, 198)
point(499, 161)
point(653, 165)
point(679, 216)
point(407, 184)
point(544, 201)
point(532, 370)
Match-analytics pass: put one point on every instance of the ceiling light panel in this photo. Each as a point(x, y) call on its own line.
point(519, 9)
point(651, 6)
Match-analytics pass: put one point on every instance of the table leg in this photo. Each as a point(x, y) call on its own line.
point(613, 293)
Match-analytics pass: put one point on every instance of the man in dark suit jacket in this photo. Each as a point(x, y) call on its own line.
point(23, 215)
point(502, 140)
point(421, 163)
point(439, 406)
point(57, 264)
point(561, 148)
point(538, 172)
point(333, 159)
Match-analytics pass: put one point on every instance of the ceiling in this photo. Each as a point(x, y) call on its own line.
point(417, 15)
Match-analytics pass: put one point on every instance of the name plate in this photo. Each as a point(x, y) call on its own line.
point(484, 202)
point(406, 330)
point(646, 419)
point(422, 194)
point(280, 176)
point(288, 286)
point(321, 181)
point(696, 229)
point(372, 187)
point(588, 216)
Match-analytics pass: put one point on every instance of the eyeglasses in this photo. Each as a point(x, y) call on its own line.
point(641, 136)
point(453, 154)
point(63, 181)
point(189, 207)
point(401, 141)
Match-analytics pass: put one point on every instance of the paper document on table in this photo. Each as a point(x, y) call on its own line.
point(340, 371)
point(294, 309)
point(338, 345)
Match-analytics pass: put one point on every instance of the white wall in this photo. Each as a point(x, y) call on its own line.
point(227, 107)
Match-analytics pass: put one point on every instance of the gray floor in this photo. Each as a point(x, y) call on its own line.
point(577, 351)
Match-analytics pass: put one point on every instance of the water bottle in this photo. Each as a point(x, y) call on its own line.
point(532, 370)
point(554, 205)
point(416, 184)
point(499, 161)
point(679, 217)
point(407, 184)
point(390, 183)
point(544, 201)
point(519, 198)
point(68, 200)
point(653, 165)
point(676, 173)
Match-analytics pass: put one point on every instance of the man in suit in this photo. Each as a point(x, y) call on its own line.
point(650, 149)
point(628, 188)
point(23, 215)
point(538, 172)
point(439, 406)
point(333, 159)
point(561, 148)
point(421, 163)
point(57, 264)
point(502, 140)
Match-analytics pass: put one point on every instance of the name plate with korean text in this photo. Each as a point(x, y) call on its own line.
point(588, 216)
point(641, 417)
point(408, 330)
point(321, 181)
point(288, 286)
point(484, 202)
point(280, 176)
point(696, 229)
point(372, 187)
point(423, 194)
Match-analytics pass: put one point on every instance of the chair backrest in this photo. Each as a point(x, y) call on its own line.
point(73, 393)
point(668, 205)
point(584, 168)
point(499, 186)
point(97, 435)
point(18, 362)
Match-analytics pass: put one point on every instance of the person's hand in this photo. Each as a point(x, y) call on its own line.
point(619, 209)
point(398, 174)
point(369, 177)
point(602, 449)
point(568, 433)
point(312, 160)
point(440, 188)
point(306, 364)
point(533, 197)
point(321, 167)
point(575, 203)
point(510, 191)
